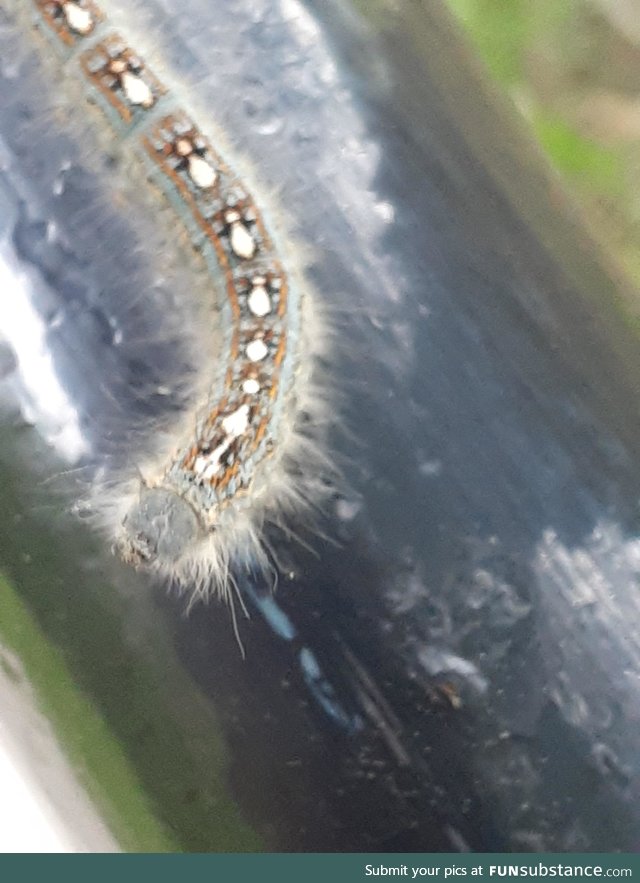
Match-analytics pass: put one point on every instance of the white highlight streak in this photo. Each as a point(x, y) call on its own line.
point(47, 403)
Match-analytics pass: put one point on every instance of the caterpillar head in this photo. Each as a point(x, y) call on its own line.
point(159, 528)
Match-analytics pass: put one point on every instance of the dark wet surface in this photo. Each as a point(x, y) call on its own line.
point(457, 665)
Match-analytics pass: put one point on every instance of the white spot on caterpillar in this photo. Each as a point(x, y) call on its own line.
point(251, 386)
point(258, 300)
point(79, 20)
point(240, 239)
point(257, 350)
point(237, 423)
point(201, 173)
point(207, 466)
point(136, 89)
point(234, 425)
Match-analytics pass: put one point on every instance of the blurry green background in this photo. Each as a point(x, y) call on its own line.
point(572, 67)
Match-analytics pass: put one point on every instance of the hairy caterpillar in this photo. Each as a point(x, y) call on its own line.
point(241, 458)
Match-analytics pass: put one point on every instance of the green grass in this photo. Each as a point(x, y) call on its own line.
point(537, 52)
point(596, 168)
point(500, 29)
point(505, 32)
point(503, 29)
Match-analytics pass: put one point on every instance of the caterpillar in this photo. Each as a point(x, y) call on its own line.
point(251, 452)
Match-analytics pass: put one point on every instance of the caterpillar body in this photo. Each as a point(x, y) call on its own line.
point(243, 457)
